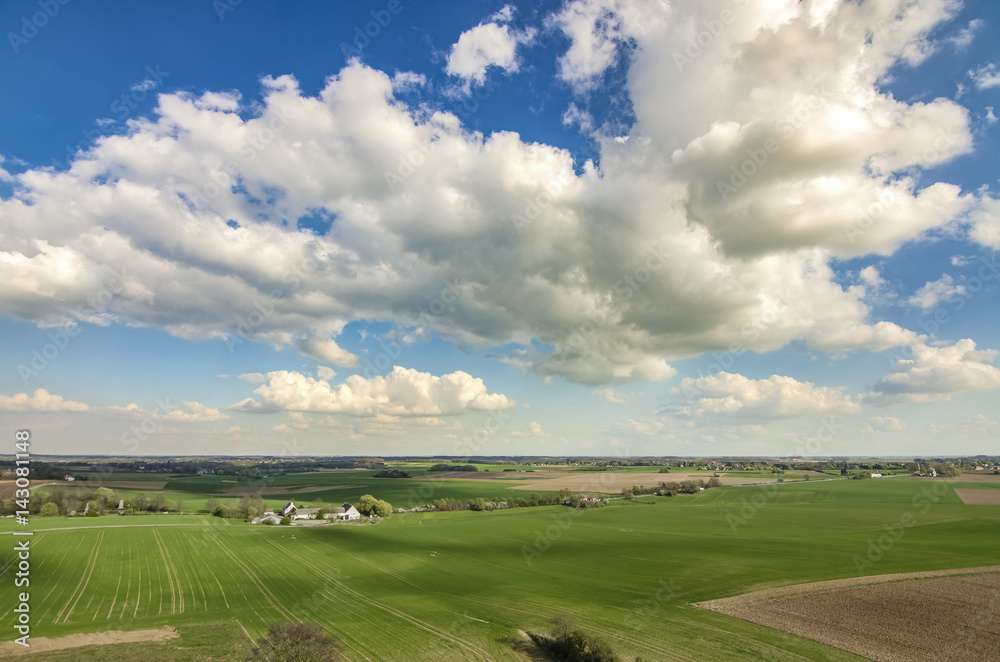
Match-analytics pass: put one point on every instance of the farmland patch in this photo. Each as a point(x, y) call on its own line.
point(974, 497)
point(945, 614)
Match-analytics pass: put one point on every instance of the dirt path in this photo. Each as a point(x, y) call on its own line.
point(936, 615)
point(45, 645)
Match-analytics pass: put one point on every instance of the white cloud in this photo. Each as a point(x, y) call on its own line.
point(753, 268)
point(964, 37)
point(196, 413)
point(404, 81)
point(492, 44)
point(886, 424)
point(986, 76)
point(597, 30)
point(610, 395)
point(936, 291)
point(775, 397)
point(986, 224)
point(402, 392)
point(324, 372)
point(929, 373)
point(253, 377)
point(40, 400)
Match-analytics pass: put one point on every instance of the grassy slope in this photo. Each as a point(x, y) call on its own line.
point(428, 577)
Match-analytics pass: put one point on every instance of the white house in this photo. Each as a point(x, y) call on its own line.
point(345, 513)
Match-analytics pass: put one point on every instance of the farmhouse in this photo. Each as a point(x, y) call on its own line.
point(344, 513)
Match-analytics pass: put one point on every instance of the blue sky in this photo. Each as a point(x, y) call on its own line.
point(566, 228)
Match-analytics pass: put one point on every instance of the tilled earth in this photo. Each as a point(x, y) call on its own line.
point(941, 615)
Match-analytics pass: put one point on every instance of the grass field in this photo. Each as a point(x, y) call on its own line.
point(452, 586)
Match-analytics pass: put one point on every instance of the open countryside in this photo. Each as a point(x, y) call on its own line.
point(465, 585)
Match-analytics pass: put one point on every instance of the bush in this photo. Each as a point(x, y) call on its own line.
point(285, 520)
point(295, 642)
point(49, 510)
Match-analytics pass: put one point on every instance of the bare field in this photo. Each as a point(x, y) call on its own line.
point(46, 645)
point(978, 477)
point(938, 615)
point(268, 491)
point(974, 497)
point(142, 485)
point(605, 481)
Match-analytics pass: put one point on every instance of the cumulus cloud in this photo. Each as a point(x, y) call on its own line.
point(597, 31)
point(775, 397)
point(986, 76)
point(928, 373)
point(492, 44)
point(934, 292)
point(886, 424)
point(402, 392)
point(40, 400)
point(198, 204)
point(610, 395)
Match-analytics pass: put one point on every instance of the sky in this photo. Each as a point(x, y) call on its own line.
point(588, 227)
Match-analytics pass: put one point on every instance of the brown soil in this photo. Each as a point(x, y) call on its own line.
point(45, 645)
point(977, 497)
point(150, 485)
point(604, 481)
point(267, 491)
point(937, 615)
point(978, 477)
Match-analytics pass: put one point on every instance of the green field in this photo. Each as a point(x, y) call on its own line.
point(453, 586)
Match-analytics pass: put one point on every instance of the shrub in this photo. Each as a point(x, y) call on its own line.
point(285, 520)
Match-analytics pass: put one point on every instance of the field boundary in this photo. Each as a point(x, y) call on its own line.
point(834, 584)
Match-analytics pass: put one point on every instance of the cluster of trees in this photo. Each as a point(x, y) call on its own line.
point(568, 645)
point(535, 499)
point(391, 473)
point(369, 505)
point(249, 507)
point(672, 488)
point(454, 467)
point(96, 502)
point(295, 642)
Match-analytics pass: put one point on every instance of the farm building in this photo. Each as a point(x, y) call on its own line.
point(266, 518)
point(344, 513)
point(876, 475)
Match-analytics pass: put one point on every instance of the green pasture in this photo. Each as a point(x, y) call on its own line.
point(459, 585)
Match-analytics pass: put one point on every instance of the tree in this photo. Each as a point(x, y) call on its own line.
point(382, 508)
point(140, 501)
point(92, 509)
point(107, 496)
point(212, 504)
point(251, 505)
point(715, 482)
point(285, 520)
point(169, 505)
point(49, 510)
point(295, 642)
point(157, 503)
point(367, 504)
